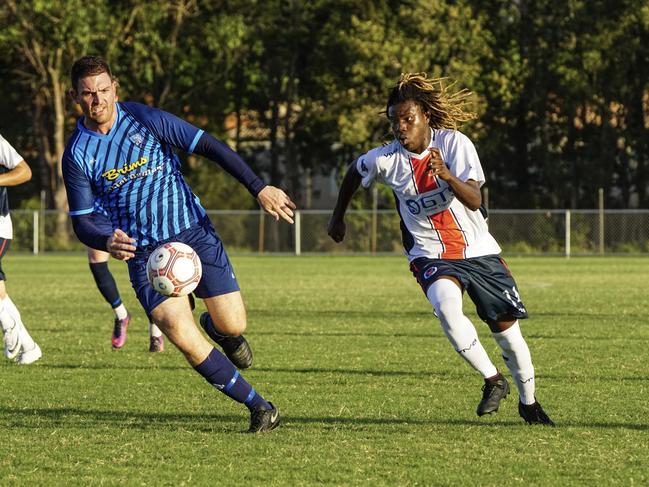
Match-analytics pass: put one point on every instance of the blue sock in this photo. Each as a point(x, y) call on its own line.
point(220, 372)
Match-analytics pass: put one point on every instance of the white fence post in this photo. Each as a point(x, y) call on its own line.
point(567, 233)
point(35, 232)
point(298, 232)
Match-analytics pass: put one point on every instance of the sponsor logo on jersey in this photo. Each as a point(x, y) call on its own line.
point(431, 202)
point(136, 138)
point(430, 272)
point(113, 174)
point(134, 176)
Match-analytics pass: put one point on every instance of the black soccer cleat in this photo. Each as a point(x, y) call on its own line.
point(494, 391)
point(263, 420)
point(534, 414)
point(236, 348)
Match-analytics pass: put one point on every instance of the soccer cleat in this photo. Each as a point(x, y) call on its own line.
point(494, 391)
point(119, 332)
point(534, 414)
point(156, 344)
point(263, 420)
point(12, 341)
point(236, 348)
point(30, 356)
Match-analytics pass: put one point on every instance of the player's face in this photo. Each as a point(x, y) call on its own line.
point(96, 95)
point(410, 126)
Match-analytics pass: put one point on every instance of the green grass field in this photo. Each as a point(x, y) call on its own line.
point(370, 390)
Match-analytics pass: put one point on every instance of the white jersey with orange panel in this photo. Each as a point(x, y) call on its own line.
point(434, 224)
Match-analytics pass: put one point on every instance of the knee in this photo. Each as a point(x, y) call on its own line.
point(232, 329)
point(448, 311)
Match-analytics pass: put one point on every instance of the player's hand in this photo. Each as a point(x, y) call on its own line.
point(120, 245)
point(337, 229)
point(437, 166)
point(276, 203)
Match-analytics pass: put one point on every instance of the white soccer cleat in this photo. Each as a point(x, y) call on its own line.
point(12, 341)
point(30, 356)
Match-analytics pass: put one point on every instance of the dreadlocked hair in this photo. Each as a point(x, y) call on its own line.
point(444, 108)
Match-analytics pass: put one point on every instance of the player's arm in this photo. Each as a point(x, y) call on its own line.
point(87, 230)
point(185, 136)
point(85, 222)
point(18, 175)
point(468, 192)
point(352, 180)
point(273, 200)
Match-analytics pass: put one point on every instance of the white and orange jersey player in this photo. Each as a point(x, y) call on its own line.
point(435, 223)
point(436, 175)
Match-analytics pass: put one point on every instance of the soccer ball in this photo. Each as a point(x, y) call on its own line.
point(174, 269)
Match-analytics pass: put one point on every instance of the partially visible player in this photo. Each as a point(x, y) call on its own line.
point(435, 174)
point(98, 262)
point(18, 343)
point(121, 157)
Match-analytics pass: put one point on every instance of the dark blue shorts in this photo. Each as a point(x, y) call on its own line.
point(218, 275)
point(487, 280)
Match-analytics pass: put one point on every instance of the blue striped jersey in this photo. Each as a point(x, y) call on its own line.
point(132, 174)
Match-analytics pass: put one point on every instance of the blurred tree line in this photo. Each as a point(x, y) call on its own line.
point(298, 87)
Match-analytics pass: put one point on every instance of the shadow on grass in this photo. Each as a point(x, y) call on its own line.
point(111, 365)
point(317, 334)
point(341, 312)
point(365, 372)
point(92, 418)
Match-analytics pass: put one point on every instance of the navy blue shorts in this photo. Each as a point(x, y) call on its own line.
point(487, 280)
point(218, 276)
point(4, 246)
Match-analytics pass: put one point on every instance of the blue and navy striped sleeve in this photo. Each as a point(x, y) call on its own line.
point(165, 126)
point(183, 135)
point(81, 200)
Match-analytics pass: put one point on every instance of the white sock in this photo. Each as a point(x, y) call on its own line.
point(446, 298)
point(518, 360)
point(10, 317)
point(120, 312)
point(6, 320)
point(154, 331)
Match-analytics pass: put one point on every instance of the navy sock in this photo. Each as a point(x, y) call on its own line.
point(106, 283)
point(223, 375)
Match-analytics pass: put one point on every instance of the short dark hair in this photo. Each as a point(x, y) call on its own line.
point(88, 66)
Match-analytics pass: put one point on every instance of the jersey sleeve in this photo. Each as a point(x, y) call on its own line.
point(80, 197)
point(366, 165)
point(165, 126)
point(463, 159)
point(9, 157)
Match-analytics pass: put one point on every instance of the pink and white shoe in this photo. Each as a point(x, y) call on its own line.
point(119, 332)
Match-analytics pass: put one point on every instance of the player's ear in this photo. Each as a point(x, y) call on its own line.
point(72, 93)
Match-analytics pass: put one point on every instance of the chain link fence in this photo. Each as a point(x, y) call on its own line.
point(519, 232)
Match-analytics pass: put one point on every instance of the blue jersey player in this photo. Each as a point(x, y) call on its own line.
point(121, 158)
